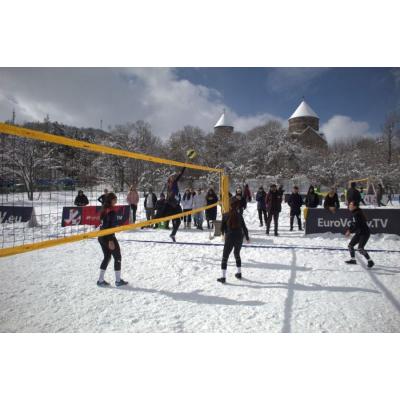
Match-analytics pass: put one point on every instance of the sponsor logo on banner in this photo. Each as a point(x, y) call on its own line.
point(90, 215)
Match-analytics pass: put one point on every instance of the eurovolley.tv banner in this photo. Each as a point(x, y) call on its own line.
point(90, 215)
point(15, 214)
point(379, 220)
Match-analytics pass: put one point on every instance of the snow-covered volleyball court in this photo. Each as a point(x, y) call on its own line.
point(292, 283)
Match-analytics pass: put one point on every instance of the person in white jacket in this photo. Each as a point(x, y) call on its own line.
point(199, 200)
point(187, 205)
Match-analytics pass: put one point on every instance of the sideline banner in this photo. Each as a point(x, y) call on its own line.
point(90, 215)
point(16, 214)
point(380, 220)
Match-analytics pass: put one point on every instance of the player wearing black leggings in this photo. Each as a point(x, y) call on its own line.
point(362, 233)
point(109, 243)
point(233, 228)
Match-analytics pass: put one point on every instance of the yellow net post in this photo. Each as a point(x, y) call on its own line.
point(225, 193)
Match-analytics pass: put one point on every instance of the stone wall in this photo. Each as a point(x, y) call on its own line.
point(300, 123)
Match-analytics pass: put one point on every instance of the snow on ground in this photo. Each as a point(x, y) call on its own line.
point(173, 288)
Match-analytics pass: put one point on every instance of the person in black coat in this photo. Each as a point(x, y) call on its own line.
point(379, 195)
point(81, 200)
point(331, 201)
point(261, 206)
point(273, 202)
point(109, 243)
point(353, 194)
point(361, 232)
point(211, 213)
point(102, 198)
point(233, 228)
point(242, 200)
point(295, 202)
point(312, 198)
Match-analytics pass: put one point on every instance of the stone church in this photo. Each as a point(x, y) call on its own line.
point(303, 127)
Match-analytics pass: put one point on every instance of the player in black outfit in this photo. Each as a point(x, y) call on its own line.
point(233, 227)
point(109, 243)
point(361, 230)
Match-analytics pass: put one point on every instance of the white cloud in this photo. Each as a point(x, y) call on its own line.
point(342, 127)
point(245, 123)
point(84, 96)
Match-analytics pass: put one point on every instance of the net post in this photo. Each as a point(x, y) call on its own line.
point(225, 192)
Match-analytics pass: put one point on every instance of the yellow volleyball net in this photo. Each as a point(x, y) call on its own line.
point(51, 187)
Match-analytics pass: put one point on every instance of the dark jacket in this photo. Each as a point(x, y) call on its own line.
point(108, 220)
point(81, 200)
point(359, 224)
point(243, 203)
point(102, 198)
point(154, 197)
point(312, 200)
point(379, 192)
point(353, 195)
point(273, 202)
point(247, 193)
point(260, 198)
point(332, 201)
point(295, 202)
point(242, 229)
point(160, 205)
point(211, 213)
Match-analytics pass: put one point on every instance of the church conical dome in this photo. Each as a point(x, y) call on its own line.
point(304, 110)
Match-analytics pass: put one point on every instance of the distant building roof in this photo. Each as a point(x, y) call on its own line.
point(304, 110)
point(223, 121)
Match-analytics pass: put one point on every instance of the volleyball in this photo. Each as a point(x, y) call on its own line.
point(191, 154)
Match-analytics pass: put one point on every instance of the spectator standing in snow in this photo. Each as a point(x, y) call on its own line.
point(233, 228)
point(133, 199)
point(390, 195)
point(295, 201)
point(242, 200)
point(261, 206)
point(379, 195)
point(199, 201)
point(273, 202)
point(312, 198)
point(362, 196)
point(211, 213)
point(353, 194)
point(101, 199)
point(150, 201)
point(362, 233)
point(187, 205)
point(109, 243)
point(247, 193)
point(159, 209)
point(331, 201)
point(81, 200)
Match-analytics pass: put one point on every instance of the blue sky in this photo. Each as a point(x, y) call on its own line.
point(350, 101)
point(364, 94)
